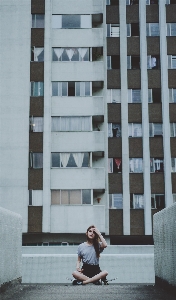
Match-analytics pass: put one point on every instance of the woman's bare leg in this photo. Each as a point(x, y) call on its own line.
point(97, 277)
point(80, 276)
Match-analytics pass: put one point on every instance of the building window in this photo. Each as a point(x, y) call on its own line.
point(71, 54)
point(37, 54)
point(174, 198)
point(133, 62)
point(115, 201)
point(152, 29)
point(70, 160)
point(65, 89)
point(112, 2)
point(153, 62)
point(114, 165)
point(137, 201)
point(35, 160)
point(134, 130)
point(132, 2)
point(37, 89)
point(133, 29)
point(155, 129)
point(38, 21)
point(71, 124)
point(134, 96)
point(157, 201)
point(71, 21)
point(113, 62)
point(171, 29)
point(172, 95)
point(114, 130)
point(113, 95)
point(36, 124)
point(173, 129)
point(156, 165)
point(36, 197)
point(173, 164)
point(136, 165)
point(171, 61)
point(154, 95)
point(113, 30)
point(70, 197)
point(148, 2)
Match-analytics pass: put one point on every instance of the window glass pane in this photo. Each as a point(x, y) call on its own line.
point(86, 159)
point(55, 160)
point(30, 197)
point(138, 201)
point(136, 96)
point(56, 21)
point(55, 197)
point(55, 124)
point(64, 197)
point(54, 88)
point(115, 30)
point(64, 88)
point(154, 28)
point(87, 88)
point(71, 88)
point(174, 95)
point(173, 29)
point(108, 30)
point(77, 88)
point(160, 201)
point(86, 196)
point(71, 21)
point(75, 197)
point(37, 160)
point(37, 124)
point(118, 201)
point(158, 129)
point(116, 130)
point(173, 62)
point(71, 162)
point(86, 21)
point(116, 96)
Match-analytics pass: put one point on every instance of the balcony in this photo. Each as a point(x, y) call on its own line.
point(79, 216)
point(77, 141)
point(78, 178)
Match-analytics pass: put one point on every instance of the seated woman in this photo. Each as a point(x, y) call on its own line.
point(89, 253)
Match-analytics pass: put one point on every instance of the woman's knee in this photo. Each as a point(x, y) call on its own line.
point(105, 273)
point(74, 273)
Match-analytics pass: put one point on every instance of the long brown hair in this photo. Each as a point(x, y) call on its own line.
point(95, 241)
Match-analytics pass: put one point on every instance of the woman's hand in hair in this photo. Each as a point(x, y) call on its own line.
point(97, 231)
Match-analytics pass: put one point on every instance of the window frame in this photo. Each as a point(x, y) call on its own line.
point(112, 201)
point(132, 165)
point(34, 22)
point(154, 196)
point(134, 198)
point(37, 86)
point(69, 191)
point(71, 153)
point(131, 130)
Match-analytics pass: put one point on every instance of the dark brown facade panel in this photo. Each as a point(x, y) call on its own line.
point(37, 71)
point(135, 147)
point(174, 183)
point(171, 79)
point(35, 179)
point(154, 79)
point(115, 183)
point(115, 147)
point(36, 106)
point(153, 45)
point(152, 13)
point(170, 13)
point(113, 46)
point(134, 79)
point(112, 14)
point(173, 146)
point(114, 112)
point(156, 147)
point(136, 183)
point(137, 222)
point(37, 37)
point(134, 113)
point(133, 45)
point(132, 14)
point(157, 183)
point(116, 222)
point(113, 79)
point(172, 112)
point(155, 112)
point(36, 141)
point(35, 218)
point(37, 6)
point(171, 45)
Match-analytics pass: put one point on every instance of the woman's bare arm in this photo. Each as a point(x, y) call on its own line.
point(103, 242)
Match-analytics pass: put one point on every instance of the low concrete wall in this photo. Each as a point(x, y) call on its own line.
point(165, 245)
point(131, 264)
point(10, 246)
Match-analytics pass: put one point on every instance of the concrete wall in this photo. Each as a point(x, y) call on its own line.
point(165, 244)
point(15, 23)
point(10, 246)
point(54, 264)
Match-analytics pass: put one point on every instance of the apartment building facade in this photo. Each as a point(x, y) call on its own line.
point(88, 117)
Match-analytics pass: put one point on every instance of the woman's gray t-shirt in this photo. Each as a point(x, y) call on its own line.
point(88, 254)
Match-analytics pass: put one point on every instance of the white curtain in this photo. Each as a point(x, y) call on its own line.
point(64, 159)
point(109, 129)
point(82, 52)
point(38, 122)
point(78, 157)
point(37, 52)
point(85, 123)
point(137, 130)
point(37, 160)
point(75, 124)
point(55, 126)
point(131, 165)
point(70, 53)
point(82, 88)
point(110, 165)
point(58, 52)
